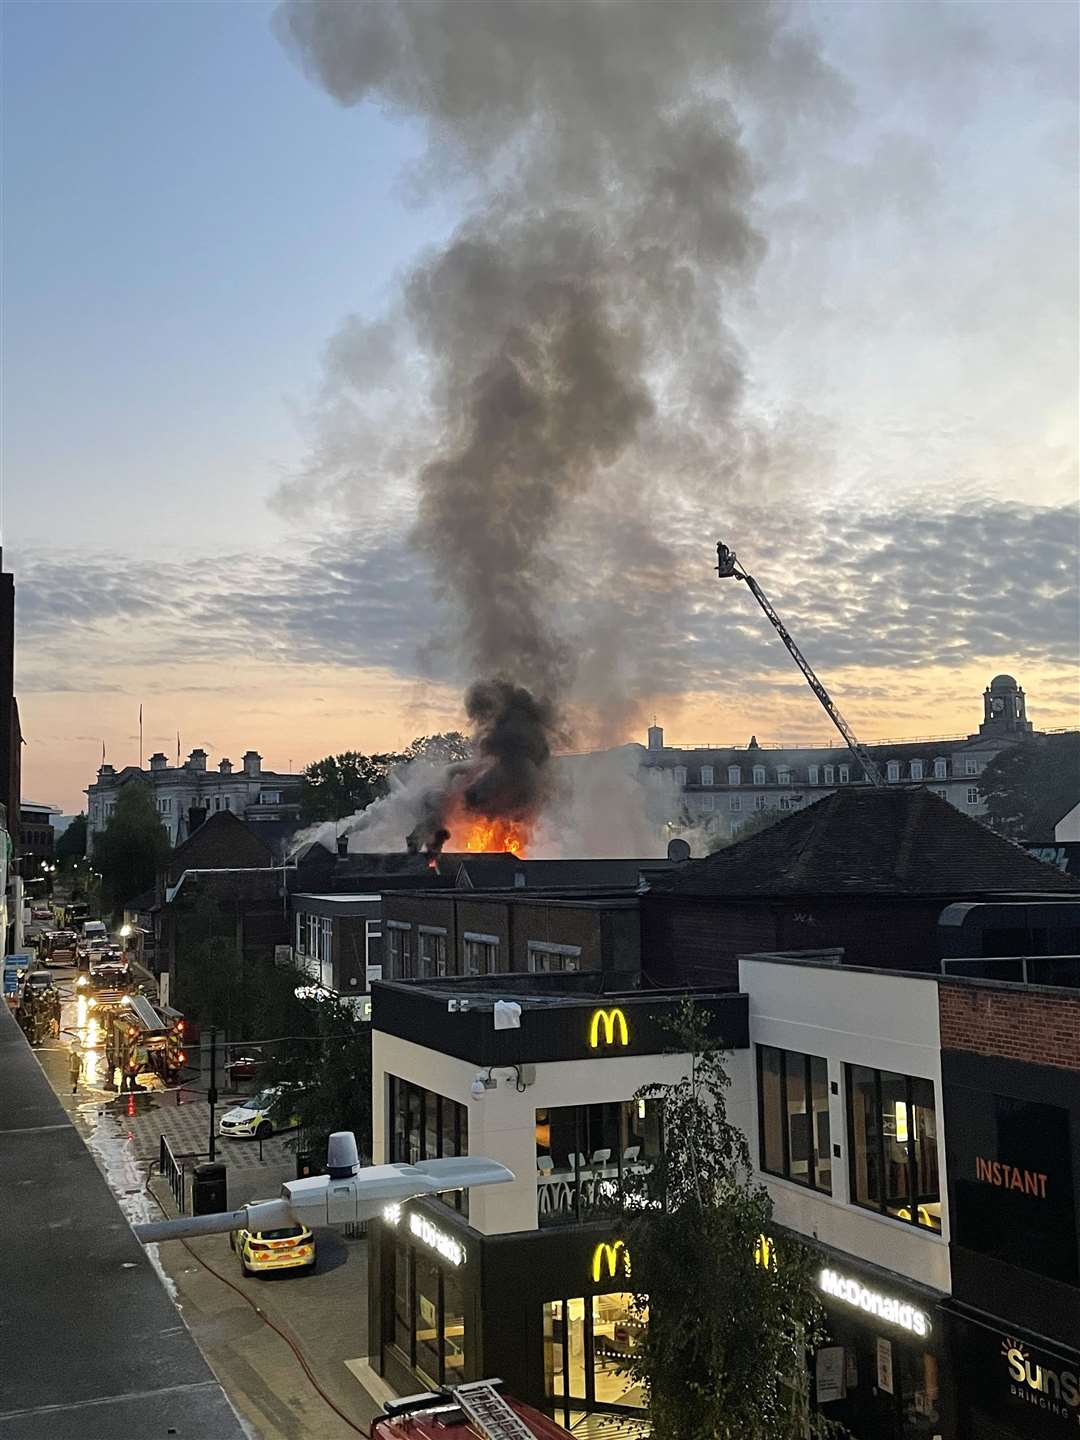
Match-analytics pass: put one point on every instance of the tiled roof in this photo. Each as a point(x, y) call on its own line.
point(903, 840)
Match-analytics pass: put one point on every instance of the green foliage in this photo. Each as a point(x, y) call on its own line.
point(331, 1079)
point(72, 843)
point(724, 1351)
point(341, 784)
point(1028, 787)
point(131, 848)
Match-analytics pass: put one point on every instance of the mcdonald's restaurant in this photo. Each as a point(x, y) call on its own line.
point(525, 1280)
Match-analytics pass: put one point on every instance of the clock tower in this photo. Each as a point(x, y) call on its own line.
point(1004, 709)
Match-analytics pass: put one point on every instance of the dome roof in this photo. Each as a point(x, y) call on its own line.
point(1003, 682)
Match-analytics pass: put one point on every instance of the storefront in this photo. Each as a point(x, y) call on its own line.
point(883, 1371)
point(1011, 1385)
point(550, 1312)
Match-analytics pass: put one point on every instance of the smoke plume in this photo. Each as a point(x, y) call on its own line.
point(573, 331)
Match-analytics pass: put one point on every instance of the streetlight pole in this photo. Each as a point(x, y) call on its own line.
point(212, 1093)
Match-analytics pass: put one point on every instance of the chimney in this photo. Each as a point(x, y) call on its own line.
point(656, 737)
point(196, 760)
point(343, 844)
point(196, 815)
point(158, 761)
point(106, 772)
point(252, 763)
point(225, 767)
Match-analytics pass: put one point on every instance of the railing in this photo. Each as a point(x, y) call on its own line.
point(567, 1195)
point(1051, 970)
point(173, 1172)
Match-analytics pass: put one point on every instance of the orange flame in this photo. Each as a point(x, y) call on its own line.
point(487, 834)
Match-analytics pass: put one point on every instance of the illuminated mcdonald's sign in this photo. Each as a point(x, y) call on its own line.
point(609, 1258)
point(613, 1023)
point(765, 1252)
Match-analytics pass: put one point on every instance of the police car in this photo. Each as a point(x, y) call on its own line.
point(263, 1115)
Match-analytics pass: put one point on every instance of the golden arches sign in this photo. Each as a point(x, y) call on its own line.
point(613, 1023)
point(609, 1257)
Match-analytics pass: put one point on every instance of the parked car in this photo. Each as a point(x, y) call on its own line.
point(260, 1117)
point(245, 1064)
point(41, 915)
point(292, 1247)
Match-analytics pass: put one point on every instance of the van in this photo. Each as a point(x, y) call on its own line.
point(95, 930)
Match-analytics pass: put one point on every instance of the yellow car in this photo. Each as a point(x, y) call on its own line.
point(290, 1248)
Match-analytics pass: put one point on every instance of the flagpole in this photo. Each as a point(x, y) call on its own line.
point(140, 739)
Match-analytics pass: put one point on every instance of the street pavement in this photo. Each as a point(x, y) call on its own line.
point(323, 1313)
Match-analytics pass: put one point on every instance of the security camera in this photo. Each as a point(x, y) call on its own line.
point(478, 1086)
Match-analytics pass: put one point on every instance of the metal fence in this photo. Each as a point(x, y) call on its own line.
point(173, 1173)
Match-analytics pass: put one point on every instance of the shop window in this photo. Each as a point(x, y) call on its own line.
point(793, 1117)
point(545, 958)
point(401, 964)
point(480, 954)
point(403, 1305)
point(426, 1334)
point(426, 1126)
point(453, 1329)
point(431, 950)
point(589, 1157)
point(893, 1145)
point(586, 1342)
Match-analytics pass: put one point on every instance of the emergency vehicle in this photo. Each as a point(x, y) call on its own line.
point(462, 1412)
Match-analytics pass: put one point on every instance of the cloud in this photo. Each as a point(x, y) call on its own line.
point(882, 590)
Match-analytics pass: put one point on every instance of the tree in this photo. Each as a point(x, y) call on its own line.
point(1029, 786)
point(72, 843)
point(342, 784)
point(730, 1320)
point(131, 848)
point(331, 1079)
point(447, 748)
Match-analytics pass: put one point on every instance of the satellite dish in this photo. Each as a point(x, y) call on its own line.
point(678, 851)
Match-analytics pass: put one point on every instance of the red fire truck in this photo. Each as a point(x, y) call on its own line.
point(462, 1412)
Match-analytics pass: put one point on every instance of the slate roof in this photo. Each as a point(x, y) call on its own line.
point(903, 840)
point(221, 842)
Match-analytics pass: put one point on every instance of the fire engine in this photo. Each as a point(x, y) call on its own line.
point(462, 1412)
point(141, 1036)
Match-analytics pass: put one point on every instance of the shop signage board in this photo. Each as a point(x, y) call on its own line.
point(448, 1246)
point(884, 1365)
point(608, 1029)
point(874, 1302)
point(1017, 1382)
point(830, 1372)
point(1010, 1161)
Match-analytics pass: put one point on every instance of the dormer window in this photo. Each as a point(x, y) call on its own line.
point(680, 776)
point(830, 774)
point(893, 771)
point(759, 774)
point(813, 773)
point(783, 775)
point(916, 770)
point(706, 774)
point(941, 769)
point(734, 775)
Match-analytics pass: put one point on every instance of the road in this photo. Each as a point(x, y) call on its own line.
point(275, 1342)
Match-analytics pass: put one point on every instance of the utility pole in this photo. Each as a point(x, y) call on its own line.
point(212, 1093)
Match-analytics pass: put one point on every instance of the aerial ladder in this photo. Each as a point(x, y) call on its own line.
point(728, 567)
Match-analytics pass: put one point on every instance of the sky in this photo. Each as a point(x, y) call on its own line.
point(210, 447)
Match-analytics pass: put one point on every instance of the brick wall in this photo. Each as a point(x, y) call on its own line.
point(1034, 1027)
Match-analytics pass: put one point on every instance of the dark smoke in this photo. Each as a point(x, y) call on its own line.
point(574, 327)
point(510, 777)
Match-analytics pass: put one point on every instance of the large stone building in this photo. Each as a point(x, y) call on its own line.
point(186, 794)
point(719, 787)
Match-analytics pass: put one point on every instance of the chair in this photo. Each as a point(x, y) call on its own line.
point(630, 1154)
point(600, 1157)
point(545, 1164)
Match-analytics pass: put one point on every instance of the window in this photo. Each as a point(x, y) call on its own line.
point(829, 774)
point(431, 952)
point(942, 791)
point(165, 804)
point(481, 952)
point(270, 797)
point(587, 1154)
point(813, 772)
point(972, 794)
point(110, 809)
point(845, 774)
point(892, 1142)
point(734, 803)
point(783, 775)
point(793, 1117)
point(916, 770)
point(760, 802)
point(759, 774)
point(707, 802)
point(401, 963)
point(426, 1126)
point(788, 802)
point(941, 769)
point(585, 1343)
point(679, 775)
point(228, 803)
point(971, 765)
point(734, 775)
point(544, 957)
point(893, 771)
point(706, 774)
